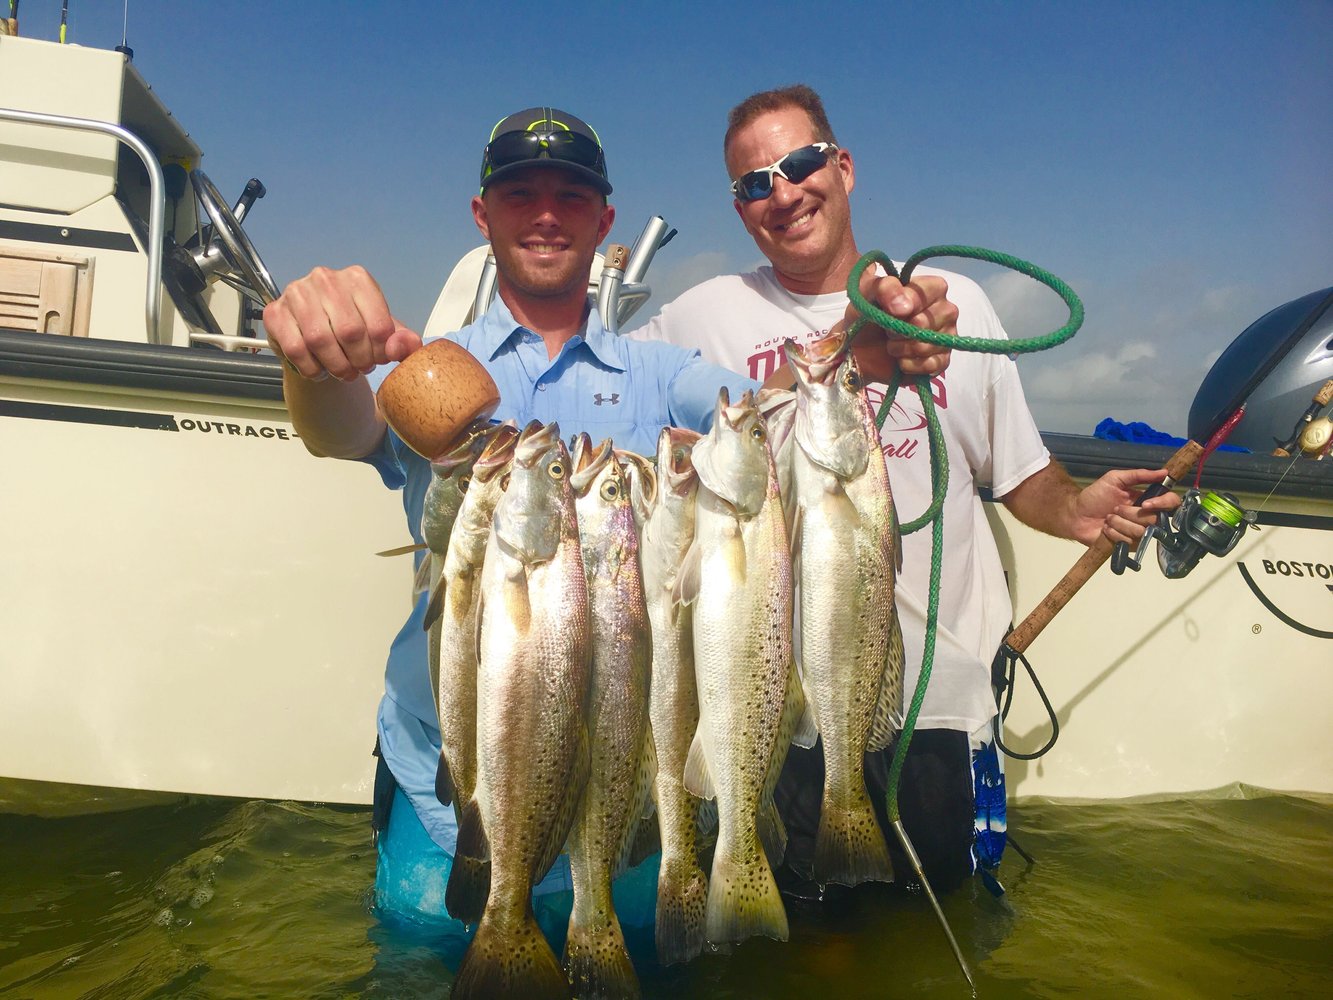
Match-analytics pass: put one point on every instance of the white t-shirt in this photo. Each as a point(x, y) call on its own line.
point(740, 321)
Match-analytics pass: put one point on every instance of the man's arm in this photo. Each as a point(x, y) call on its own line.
point(1050, 501)
point(335, 323)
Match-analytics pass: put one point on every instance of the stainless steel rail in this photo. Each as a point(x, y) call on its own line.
point(156, 195)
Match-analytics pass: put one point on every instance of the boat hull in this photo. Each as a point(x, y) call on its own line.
point(1176, 686)
point(190, 600)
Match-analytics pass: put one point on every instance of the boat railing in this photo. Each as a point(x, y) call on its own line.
point(156, 196)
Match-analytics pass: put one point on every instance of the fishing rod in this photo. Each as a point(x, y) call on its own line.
point(1311, 436)
point(1210, 523)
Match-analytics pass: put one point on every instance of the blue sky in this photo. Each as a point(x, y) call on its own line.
point(1171, 161)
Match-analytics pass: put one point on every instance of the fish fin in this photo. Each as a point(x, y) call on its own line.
point(897, 534)
point(706, 824)
point(686, 588)
point(743, 899)
point(794, 524)
point(850, 847)
point(470, 877)
point(514, 961)
point(806, 731)
point(887, 721)
point(641, 838)
point(772, 832)
point(697, 779)
point(403, 550)
point(560, 826)
point(444, 782)
point(682, 901)
point(597, 963)
point(435, 607)
point(647, 842)
point(423, 581)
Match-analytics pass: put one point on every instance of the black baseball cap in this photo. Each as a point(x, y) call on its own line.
point(545, 137)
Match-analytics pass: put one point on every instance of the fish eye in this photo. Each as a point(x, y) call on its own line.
point(464, 481)
point(504, 482)
point(852, 380)
point(758, 433)
point(610, 490)
point(556, 470)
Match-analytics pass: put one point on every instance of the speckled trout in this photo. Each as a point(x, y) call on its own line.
point(456, 690)
point(673, 705)
point(532, 740)
point(616, 796)
point(450, 475)
point(738, 578)
point(845, 541)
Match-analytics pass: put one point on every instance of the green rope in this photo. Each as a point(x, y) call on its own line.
point(939, 459)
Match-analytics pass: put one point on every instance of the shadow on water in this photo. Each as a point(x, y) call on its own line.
point(1217, 897)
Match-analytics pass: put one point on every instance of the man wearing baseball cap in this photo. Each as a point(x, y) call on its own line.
point(543, 209)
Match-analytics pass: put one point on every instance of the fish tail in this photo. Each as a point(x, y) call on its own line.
point(516, 963)
point(743, 899)
point(597, 962)
point(850, 846)
point(682, 901)
point(470, 877)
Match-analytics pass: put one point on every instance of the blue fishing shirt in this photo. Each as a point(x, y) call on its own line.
point(601, 383)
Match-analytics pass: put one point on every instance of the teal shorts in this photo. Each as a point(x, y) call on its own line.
point(412, 871)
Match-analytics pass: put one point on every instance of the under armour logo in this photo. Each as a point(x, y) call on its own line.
point(613, 399)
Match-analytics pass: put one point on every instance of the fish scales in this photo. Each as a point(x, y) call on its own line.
point(469, 877)
point(851, 648)
point(673, 705)
point(596, 959)
point(532, 690)
point(450, 476)
point(740, 575)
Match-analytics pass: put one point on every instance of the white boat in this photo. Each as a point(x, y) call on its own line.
point(178, 618)
point(177, 615)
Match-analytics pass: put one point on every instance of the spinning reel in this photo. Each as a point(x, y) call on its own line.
point(1203, 524)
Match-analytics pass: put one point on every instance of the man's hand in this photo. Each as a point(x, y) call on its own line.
point(922, 302)
point(1106, 506)
point(1050, 501)
point(336, 322)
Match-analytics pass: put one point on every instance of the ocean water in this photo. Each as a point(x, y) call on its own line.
point(1228, 895)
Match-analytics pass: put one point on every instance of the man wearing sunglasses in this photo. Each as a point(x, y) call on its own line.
point(791, 187)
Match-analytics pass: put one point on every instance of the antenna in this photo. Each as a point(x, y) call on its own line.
point(123, 48)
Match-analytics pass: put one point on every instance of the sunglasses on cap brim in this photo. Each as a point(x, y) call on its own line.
point(563, 147)
point(795, 167)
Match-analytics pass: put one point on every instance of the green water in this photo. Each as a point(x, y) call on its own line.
point(1209, 897)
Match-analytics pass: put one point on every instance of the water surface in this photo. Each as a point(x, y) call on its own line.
point(1223, 896)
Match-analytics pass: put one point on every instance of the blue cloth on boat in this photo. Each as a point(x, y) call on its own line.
point(607, 385)
point(1138, 432)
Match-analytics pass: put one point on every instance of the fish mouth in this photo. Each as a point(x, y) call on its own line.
point(675, 459)
point(470, 443)
point(588, 462)
point(820, 359)
point(498, 453)
point(535, 441)
point(645, 474)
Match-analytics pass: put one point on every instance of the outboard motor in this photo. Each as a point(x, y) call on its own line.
point(1276, 364)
